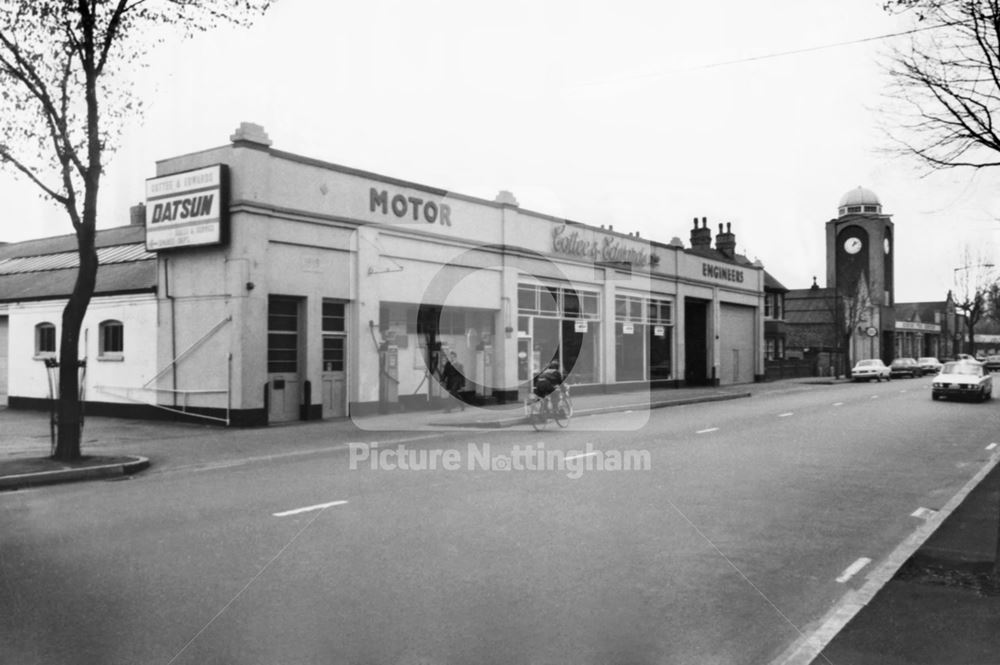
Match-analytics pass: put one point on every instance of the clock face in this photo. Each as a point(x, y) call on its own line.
point(852, 245)
point(885, 245)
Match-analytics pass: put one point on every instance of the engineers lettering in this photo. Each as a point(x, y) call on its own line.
point(719, 272)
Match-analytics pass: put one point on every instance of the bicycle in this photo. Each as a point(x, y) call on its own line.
point(539, 409)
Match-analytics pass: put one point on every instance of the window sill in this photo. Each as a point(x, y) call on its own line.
point(110, 358)
point(43, 356)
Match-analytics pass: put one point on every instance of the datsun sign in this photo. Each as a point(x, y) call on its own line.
point(187, 209)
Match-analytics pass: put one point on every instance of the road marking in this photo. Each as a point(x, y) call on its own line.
point(318, 506)
point(853, 569)
point(874, 396)
point(807, 648)
point(991, 446)
point(579, 456)
point(706, 431)
point(785, 415)
point(838, 404)
point(923, 513)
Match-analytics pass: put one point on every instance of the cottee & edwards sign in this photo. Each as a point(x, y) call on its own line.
point(606, 249)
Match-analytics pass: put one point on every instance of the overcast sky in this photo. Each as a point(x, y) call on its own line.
point(638, 114)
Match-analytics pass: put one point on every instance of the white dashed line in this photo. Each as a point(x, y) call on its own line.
point(838, 404)
point(579, 456)
point(785, 415)
point(318, 506)
point(874, 396)
point(923, 513)
point(991, 446)
point(706, 431)
point(853, 569)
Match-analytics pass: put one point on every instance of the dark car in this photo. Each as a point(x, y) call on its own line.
point(992, 363)
point(904, 367)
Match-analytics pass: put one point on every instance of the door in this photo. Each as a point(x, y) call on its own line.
point(3, 360)
point(283, 359)
point(334, 376)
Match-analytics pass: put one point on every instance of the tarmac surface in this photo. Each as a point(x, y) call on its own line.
point(941, 607)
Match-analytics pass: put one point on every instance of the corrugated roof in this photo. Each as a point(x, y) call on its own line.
point(122, 235)
point(61, 260)
point(131, 277)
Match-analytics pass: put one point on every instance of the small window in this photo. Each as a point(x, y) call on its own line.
point(333, 317)
point(45, 339)
point(112, 339)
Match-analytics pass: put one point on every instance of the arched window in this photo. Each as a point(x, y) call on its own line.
point(45, 339)
point(112, 340)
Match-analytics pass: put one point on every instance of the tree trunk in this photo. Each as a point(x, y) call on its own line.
point(69, 411)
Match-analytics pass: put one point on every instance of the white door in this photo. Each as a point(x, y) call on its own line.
point(334, 376)
point(284, 365)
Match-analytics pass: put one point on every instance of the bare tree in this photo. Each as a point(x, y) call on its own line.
point(973, 282)
point(67, 70)
point(947, 83)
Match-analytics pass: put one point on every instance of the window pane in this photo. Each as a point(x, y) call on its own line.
point(548, 299)
point(333, 317)
point(620, 307)
point(527, 298)
point(571, 303)
point(635, 309)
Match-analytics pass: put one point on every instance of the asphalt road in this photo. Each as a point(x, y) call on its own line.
point(752, 520)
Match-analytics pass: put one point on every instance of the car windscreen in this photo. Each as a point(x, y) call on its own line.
point(963, 369)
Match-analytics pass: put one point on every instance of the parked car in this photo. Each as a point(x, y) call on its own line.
point(929, 365)
point(963, 356)
point(904, 367)
point(993, 363)
point(963, 379)
point(866, 370)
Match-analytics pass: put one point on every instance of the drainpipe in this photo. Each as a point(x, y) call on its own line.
point(173, 331)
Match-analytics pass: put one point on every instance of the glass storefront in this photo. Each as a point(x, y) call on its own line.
point(643, 336)
point(558, 323)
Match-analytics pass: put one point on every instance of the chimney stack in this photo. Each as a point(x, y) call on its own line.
point(137, 215)
point(725, 241)
point(701, 236)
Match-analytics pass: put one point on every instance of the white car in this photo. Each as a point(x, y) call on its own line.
point(963, 379)
point(866, 370)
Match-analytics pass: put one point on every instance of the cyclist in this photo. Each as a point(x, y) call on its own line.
point(547, 381)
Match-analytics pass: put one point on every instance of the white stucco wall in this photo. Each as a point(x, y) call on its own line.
point(28, 375)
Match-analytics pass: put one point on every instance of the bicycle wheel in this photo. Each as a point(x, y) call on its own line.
point(563, 412)
point(537, 414)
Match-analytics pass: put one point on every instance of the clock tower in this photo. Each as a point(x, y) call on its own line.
point(860, 252)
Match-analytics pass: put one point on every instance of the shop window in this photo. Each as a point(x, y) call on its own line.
point(333, 317)
point(523, 326)
point(112, 340)
point(45, 339)
point(591, 307)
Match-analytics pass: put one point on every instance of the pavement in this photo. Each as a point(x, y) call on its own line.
point(942, 607)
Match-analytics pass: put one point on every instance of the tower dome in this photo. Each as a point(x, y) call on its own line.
point(859, 201)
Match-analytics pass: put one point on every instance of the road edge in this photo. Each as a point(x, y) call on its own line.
point(809, 646)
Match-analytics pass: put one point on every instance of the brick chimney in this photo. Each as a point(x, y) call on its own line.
point(725, 241)
point(701, 236)
point(137, 215)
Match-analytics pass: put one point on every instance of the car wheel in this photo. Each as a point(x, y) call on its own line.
point(935, 396)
